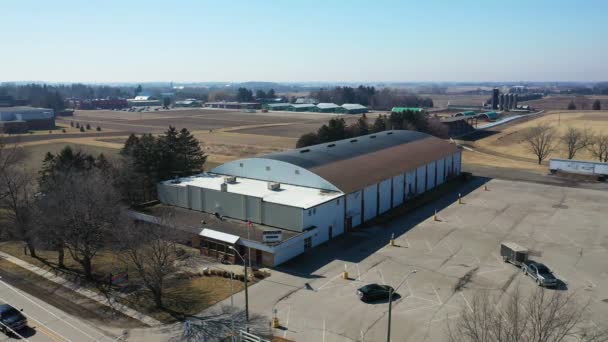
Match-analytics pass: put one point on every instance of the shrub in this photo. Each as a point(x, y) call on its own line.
point(88, 127)
point(77, 125)
point(72, 123)
point(98, 129)
point(82, 129)
point(63, 130)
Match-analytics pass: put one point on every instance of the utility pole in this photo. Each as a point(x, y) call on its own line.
point(246, 289)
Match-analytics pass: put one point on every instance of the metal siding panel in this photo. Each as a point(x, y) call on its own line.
point(457, 161)
point(398, 189)
point(353, 206)
point(252, 208)
point(277, 215)
point(421, 178)
point(430, 173)
point(182, 196)
point(385, 196)
point(410, 178)
point(195, 198)
point(224, 203)
point(440, 171)
point(448, 166)
point(370, 197)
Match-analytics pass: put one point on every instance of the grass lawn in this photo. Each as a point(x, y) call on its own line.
point(183, 297)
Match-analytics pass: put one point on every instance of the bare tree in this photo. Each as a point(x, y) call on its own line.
point(10, 157)
point(541, 141)
point(84, 208)
point(575, 140)
point(599, 147)
point(544, 316)
point(151, 250)
point(220, 323)
point(17, 205)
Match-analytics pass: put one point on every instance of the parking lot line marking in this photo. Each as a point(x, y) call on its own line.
point(418, 308)
point(323, 329)
point(436, 294)
point(329, 281)
point(466, 301)
point(428, 245)
point(358, 272)
point(408, 243)
point(381, 276)
point(474, 256)
point(445, 319)
point(287, 321)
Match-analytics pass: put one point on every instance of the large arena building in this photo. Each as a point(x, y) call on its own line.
point(282, 204)
point(22, 119)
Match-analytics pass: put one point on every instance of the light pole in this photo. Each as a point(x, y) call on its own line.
point(390, 304)
point(246, 292)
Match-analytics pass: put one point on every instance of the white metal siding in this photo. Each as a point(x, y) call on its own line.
point(410, 184)
point(196, 202)
point(353, 207)
point(420, 180)
point(440, 171)
point(370, 202)
point(385, 196)
point(457, 161)
point(430, 174)
point(448, 166)
point(323, 216)
point(282, 216)
point(398, 188)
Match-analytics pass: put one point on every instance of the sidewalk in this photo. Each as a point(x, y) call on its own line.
point(83, 291)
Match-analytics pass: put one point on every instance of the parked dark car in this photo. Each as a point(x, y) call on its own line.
point(11, 318)
point(373, 292)
point(540, 273)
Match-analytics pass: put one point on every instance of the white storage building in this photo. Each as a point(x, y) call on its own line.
point(317, 192)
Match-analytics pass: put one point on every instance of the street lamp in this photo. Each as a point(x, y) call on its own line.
point(246, 292)
point(390, 303)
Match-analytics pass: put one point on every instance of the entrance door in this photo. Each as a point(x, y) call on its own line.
point(258, 256)
point(330, 231)
point(308, 243)
point(348, 224)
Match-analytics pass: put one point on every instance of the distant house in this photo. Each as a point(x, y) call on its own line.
point(353, 108)
point(327, 107)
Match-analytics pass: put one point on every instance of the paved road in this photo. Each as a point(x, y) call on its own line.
point(47, 323)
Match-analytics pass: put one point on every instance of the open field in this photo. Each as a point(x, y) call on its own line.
point(504, 146)
point(560, 102)
point(441, 101)
point(456, 257)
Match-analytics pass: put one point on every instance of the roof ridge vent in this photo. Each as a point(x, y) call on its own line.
point(331, 145)
point(389, 133)
point(354, 140)
point(372, 137)
point(305, 150)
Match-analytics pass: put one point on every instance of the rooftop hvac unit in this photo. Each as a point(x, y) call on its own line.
point(230, 179)
point(274, 186)
point(224, 187)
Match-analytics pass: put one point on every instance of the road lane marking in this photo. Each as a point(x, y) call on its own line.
point(50, 312)
point(45, 329)
point(436, 294)
point(466, 301)
point(287, 321)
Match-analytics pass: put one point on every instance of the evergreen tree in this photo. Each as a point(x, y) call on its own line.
point(308, 139)
point(597, 105)
point(334, 130)
point(88, 127)
point(271, 94)
point(189, 156)
point(379, 124)
point(571, 105)
point(130, 144)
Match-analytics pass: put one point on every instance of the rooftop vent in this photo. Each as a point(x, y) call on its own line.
point(331, 145)
point(224, 187)
point(305, 150)
point(389, 133)
point(372, 137)
point(230, 179)
point(274, 186)
point(176, 180)
point(354, 140)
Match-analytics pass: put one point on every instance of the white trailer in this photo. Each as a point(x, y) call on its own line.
point(579, 166)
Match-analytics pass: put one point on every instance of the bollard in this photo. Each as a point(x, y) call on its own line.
point(345, 275)
point(485, 188)
point(435, 216)
point(459, 199)
point(275, 323)
point(392, 241)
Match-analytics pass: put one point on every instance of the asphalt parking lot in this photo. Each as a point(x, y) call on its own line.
point(455, 256)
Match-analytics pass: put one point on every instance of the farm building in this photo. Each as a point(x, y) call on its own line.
point(285, 203)
point(488, 116)
point(468, 113)
point(233, 105)
point(306, 100)
point(302, 108)
point(188, 103)
point(277, 106)
point(22, 119)
point(327, 107)
point(353, 108)
point(406, 109)
point(144, 101)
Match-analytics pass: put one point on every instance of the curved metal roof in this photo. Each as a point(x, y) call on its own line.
point(352, 164)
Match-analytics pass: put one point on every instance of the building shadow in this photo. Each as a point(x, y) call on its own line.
point(358, 244)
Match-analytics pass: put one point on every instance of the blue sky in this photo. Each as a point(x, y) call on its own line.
point(289, 40)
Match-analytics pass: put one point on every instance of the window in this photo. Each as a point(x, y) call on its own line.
point(241, 164)
point(297, 172)
point(314, 211)
point(267, 168)
point(309, 212)
point(308, 243)
point(338, 202)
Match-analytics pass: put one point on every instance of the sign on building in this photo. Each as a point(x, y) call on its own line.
point(272, 236)
point(119, 275)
